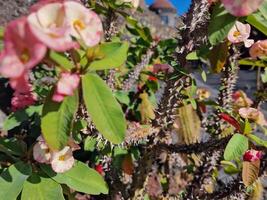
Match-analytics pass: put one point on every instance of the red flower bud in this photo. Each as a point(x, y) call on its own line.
point(99, 169)
point(252, 155)
point(152, 78)
point(230, 120)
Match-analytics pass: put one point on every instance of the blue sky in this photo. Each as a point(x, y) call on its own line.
point(181, 5)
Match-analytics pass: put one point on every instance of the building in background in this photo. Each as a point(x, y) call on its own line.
point(166, 11)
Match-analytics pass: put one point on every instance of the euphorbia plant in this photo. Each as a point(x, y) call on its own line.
point(61, 34)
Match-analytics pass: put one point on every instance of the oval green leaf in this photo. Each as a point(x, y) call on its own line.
point(43, 188)
point(103, 108)
point(220, 24)
point(57, 118)
point(236, 147)
point(114, 55)
point(80, 178)
point(12, 180)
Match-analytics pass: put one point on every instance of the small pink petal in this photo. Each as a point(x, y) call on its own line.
point(58, 97)
point(41, 152)
point(248, 43)
point(10, 65)
point(66, 85)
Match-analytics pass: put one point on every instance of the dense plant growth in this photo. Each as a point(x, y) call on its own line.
point(103, 109)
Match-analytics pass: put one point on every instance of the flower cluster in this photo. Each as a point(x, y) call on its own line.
point(59, 25)
point(240, 33)
point(20, 100)
point(252, 155)
point(61, 161)
point(254, 115)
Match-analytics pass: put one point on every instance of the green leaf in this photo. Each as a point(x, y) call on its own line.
point(89, 143)
point(250, 62)
point(114, 55)
point(15, 119)
point(204, 76)
point(123, 97)
point(12, 180)
point(218, 57)
point(236, 147)
point(43, 188)
point(247, 127)
point(12, 146)
point(57, 118)
point(61, 60)
point(80, 178)
point(134, 28)
point(220, 24)
point(192, 56)
point(258, 140)
point(258, 19)
point(264, 76)
point(103, 108)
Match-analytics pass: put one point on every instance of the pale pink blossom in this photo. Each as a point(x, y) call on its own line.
point(50, 26)
point(22, 100)
point(253, 114)
point(259, 49)
point(240, 33)
point(241, 7)
point(159, 67)
point(22, 51)
point(252, 155)
point(85, 24)
point(63, 160)
point(66, 86)
point(41, 152)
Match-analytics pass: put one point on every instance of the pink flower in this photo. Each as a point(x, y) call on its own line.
point(158, 67)
point(85, 24)
point(253, 114)
point(49, 25)
point(20, 100)
point(63, 160)
point(252, 155)
point(241, 8)
point(240, 33)
point(241, 100)
point(66, 85)
point(41, 152)
point(22, 51)
point(259, 49)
